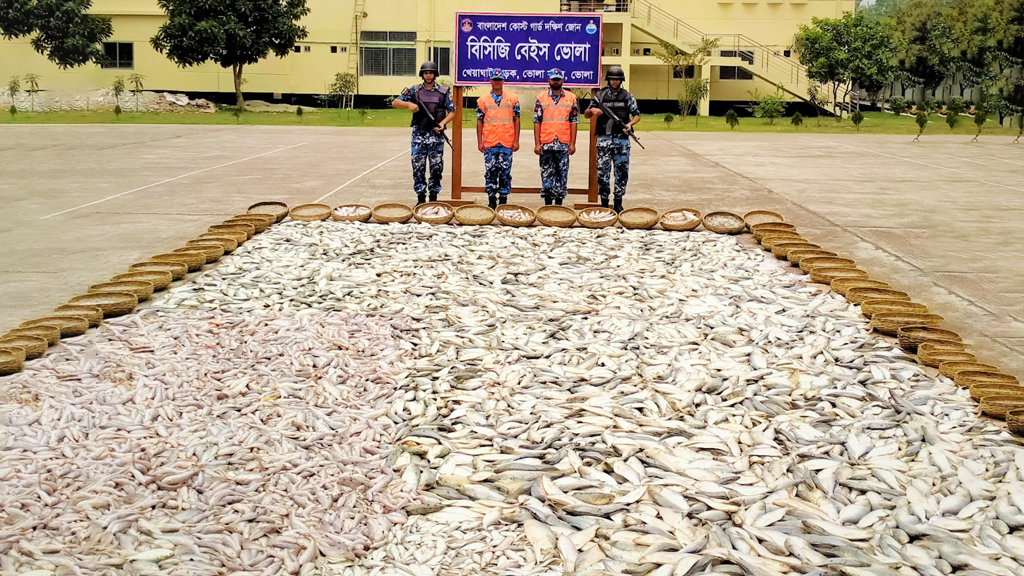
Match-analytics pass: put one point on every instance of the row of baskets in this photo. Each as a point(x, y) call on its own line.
point(894, 313)
point(680, 219)
point(123, 293)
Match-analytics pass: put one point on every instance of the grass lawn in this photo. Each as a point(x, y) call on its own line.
point(874, 122)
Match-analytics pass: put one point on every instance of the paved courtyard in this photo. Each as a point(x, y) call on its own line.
point(937, 218)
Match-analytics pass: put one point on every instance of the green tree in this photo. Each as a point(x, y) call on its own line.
point(32, 81)
point(669, 118)
point(857, 118)
point(232, 34)
point(899, 105)
point(118, 89)
point(138, 84)
point(732, 119)
point(922, 123)
point(61, 30)
point(952, 119)
point(343, 89)
point(980, 117)
point(693, 90)
point(299, 112)
point(817, 98)
point(797, 120)
point(770, 106)
point(12, 89)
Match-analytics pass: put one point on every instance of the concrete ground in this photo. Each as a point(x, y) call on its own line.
point(936, 218)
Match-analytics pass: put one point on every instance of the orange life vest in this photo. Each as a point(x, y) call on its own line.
point(499, 119)
point(555, 119)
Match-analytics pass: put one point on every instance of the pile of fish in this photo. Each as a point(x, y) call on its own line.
point(203, 443)
point(640, 402)
point(342, 211)
point(679, 218)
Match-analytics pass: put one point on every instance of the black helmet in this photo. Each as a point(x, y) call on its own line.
point(615, 73)
point(428, 66)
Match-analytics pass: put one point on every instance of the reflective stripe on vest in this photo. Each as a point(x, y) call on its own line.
point(499, 119)
point(555, 117)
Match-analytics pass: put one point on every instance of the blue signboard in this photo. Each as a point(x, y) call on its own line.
point(526, 46)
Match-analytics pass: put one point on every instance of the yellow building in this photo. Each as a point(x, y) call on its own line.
point(385, 40)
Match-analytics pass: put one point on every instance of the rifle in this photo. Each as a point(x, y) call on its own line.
point(426, 111)
point(605, 109)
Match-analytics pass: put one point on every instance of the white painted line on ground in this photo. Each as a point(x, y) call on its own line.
point(322, 198)
point(964, 159)
point(1000, 185)
point(1010, 161)
point(168, 180)
point(883, 154)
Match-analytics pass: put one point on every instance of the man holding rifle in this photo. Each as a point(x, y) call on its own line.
point(615, 111)
point(432, 109)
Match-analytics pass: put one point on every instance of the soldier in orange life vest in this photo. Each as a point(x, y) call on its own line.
point(497, 136)
point(555, 119)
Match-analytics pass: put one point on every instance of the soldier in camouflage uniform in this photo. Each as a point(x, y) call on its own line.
point(555, 119)
point(427, 139)
point(613, 145)
point(497, 136)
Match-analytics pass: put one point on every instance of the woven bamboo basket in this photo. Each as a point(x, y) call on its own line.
point(178, 270)
point(913, 336)
point(248, 229)
point(47, 332)
point(979, 391)
point(390, 213)
point(68, 325)
point(951, 369)
point(112, 303)
point(771, 235)
point(310, 212)
point(258, 225)
point(761, 233)
point(238, 236)
point(226, 244)
point(968, 378)
point(12, 360)
point(999, 406)
point(444, 215)
point(862, 293)
point(808, 264)
point(935, 359)
point(505, 211)
point(141, 290)
point(827, 275)
point(770, 241)
point(279, 210)
point(210, 252)
point(1015, 421)
point(193, 260)
point(761, 228)
point(159, 279)
point(672, 220)
point(932, 346)
point(597, 217)
point(34, 346)
point(91, 313)
point(781, 251)
point(260, 221)
point(890, 322)
point(474, 215)
point(639, 218)
point(351, 213)
point(843, 285)
point(724, 223)
point(755, 217)
point(558, 216)
point(871, 307)
point(795, 256)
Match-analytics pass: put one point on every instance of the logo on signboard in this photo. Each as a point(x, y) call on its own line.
point(591, 28)
point(467, 25)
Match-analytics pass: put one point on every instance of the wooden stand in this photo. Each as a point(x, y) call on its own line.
point(458, 189)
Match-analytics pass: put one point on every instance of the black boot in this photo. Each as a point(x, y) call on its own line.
point(502, 200)
point(433, 196)
point(604, 202)
point(558, 201)
point(492, 202)
point(618, 205)
point(547, 200)
point(420, 199)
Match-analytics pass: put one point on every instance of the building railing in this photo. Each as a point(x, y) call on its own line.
point(595, 5)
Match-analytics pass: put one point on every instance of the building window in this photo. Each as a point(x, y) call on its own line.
point(118, 55)
point(403, 61)
point(744, 55)
point(734, 73)
point(307, 48)
point(443, 57)
point(334, 49)
point(409, 37)
point(687, 72)
point(371, 36)
point(374, 61)
point(297, 49)
point(382, 36)
point(388, 61)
